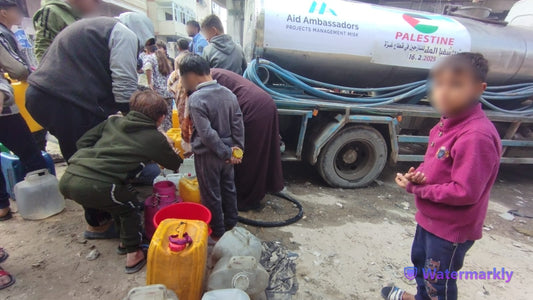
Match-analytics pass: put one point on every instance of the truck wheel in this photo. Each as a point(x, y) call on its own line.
point(353, 158)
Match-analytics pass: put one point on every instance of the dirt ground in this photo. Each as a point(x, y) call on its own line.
point(350, 244)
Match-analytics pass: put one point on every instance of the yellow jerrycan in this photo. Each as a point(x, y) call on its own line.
point(177, 257)
point(19, 93)
point(175, 135)
point(175, 119)
point(189, 189)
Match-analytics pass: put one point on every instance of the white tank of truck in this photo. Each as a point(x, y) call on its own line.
point(359, 44)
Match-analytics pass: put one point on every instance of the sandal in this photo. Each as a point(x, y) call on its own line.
point(392, 293)
point(10, 283)
point(4, 255)
point(137, 267)
point(7, 216)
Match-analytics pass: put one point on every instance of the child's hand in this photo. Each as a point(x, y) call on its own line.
point(401, 180)
point(234, 160)
point(415, 177)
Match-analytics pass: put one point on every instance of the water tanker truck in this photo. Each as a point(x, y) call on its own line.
point(349, 79)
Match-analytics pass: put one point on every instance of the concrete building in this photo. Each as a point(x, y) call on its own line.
point(116, 7)
point(171, 16)
point(235, 18)
point(107, 7)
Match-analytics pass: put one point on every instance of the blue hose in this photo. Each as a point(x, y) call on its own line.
point(299, 91)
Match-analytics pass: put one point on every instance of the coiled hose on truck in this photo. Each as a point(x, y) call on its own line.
point(299, 91)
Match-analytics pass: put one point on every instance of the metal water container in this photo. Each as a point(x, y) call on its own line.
point(366, 45)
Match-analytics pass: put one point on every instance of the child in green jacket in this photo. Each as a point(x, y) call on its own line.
point(54, 16)
point(109, 156)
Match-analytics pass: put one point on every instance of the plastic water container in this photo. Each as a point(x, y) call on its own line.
point(240, 272)
point(189, 189)
point(172, 177)
point(38, 196)
point(175, 179)
point(177, 257)
point(151, 292)
point(175, 135)
point(226, 294)
point(19, 93)
point(175, 119)
point(187, 167)
point(164, 194)
point(160, 178)
point(237, 242)
point(167, 172)
point(14, 170)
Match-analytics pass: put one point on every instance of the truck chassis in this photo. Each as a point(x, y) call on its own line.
point(350, 145)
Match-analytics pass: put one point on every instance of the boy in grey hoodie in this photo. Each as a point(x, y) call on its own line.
point(218, 133)
point(222, 52)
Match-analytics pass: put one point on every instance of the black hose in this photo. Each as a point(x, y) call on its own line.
point(292, 220)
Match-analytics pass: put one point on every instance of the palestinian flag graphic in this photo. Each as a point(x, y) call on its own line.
point(420, 23)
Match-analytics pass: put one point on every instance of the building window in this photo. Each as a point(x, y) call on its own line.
point(176, 13)
point(183, 14)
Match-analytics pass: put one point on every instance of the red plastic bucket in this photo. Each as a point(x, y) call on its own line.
point(183, 210)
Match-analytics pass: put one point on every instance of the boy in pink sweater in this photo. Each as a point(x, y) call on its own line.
point(453, 184)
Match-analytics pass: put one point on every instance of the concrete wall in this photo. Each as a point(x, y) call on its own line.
point(159, 10)
point(235, 27)
point(127, 5)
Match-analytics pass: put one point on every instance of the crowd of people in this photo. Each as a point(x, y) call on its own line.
point(106, 88)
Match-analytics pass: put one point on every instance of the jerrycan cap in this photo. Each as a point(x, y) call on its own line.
point(177, 244)
point(237, 153)
point(241, 281)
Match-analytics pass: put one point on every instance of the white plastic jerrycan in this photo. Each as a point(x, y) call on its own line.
point(226, 294)
point(240, 272)
point(237, 242)
point(151, 292)
point(38, 196)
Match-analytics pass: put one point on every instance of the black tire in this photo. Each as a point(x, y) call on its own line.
point(353, 158)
